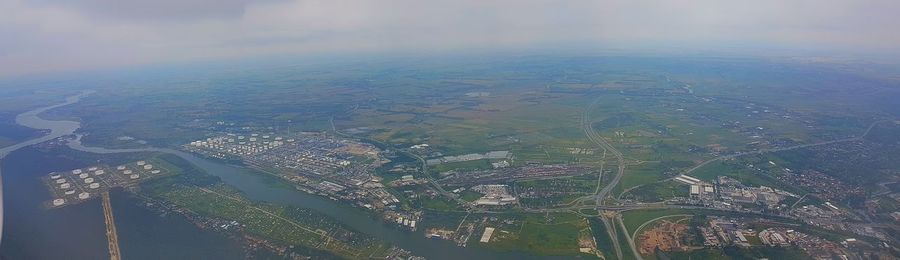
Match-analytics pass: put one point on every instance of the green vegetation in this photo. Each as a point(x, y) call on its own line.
point(555, 234)
point(462, 166)
point(469, 195)
point(555, 192)
point(664, 114)
point(11, 133)
point(657, 191)
point(635, 218)
point(604, 242)
point(638, 175)
point(203, 194)
point(627, 254)
point(438, 203)
point(738, 170)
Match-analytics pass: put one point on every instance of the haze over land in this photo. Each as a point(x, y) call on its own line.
point(413, 130)
point(48, 35)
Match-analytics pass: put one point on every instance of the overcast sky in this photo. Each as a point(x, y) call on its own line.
point(39, 36)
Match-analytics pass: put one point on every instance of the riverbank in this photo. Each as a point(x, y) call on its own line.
point(257, 188)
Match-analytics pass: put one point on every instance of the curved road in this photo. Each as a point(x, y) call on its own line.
point(592, 135)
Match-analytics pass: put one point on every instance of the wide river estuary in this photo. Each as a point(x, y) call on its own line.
point(77, 232)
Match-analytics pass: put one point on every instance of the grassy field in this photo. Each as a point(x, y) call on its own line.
point(604, 242)
point(657, 191)
point(665, 114)
point(640, 174)
point(738, 170)
point(206, 195)
point(291, 226)
point(669, 111)
point(556, 235)
point(623, 243)
point(469, 195)
point(462, 166)
point(635, 218)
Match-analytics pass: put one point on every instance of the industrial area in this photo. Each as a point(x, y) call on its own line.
point(317, 162)
point(79, 185)
point(528, 172)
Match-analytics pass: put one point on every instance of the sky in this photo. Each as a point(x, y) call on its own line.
point(44, 36)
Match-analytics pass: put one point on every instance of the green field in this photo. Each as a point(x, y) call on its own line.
point(657, 191)
point(206, 195)
point(664, 114)
point(538, 235)
point(604, 242)
point(635, 218)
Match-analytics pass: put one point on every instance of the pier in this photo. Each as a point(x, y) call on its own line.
point(111, 237)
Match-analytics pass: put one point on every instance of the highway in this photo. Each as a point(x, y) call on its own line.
point(611, 215)
point(424, 170)
point(632, 245)
point(611, 231)
point(591, 134)
point(762, 151)
point(635, 233)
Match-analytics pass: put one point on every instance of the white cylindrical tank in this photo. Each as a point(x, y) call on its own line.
point(70, 192)
point(120, 167)
point(83, 175)
point(135, 176)
point(65, 186)
point(89, 180)
point(126, 172)
point(59, 202)
point(148, 166)
point(99, 172)
point(141, 163)
point(84, 195)
point(55, 176)
point(94, 185)
point(76, 171)
point(154, 171)
point(92, 169)
point(61, 181)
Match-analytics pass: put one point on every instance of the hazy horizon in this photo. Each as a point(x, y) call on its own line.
point(47, 36)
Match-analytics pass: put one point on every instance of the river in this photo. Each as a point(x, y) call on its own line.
point(256, 188)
